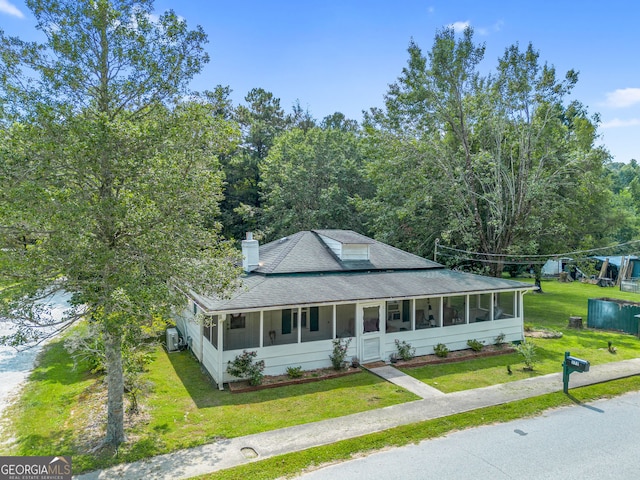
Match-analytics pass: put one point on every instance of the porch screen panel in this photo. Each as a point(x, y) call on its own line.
point(454, 310)
point(504, 307)
point(286, 321)
point(480, 308)
point(206, 330)
point(214, 331)
point(427, 312)
point(320, 324)
point(242, 331)
point(345, 320)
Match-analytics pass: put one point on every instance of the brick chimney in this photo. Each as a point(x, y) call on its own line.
point(250, 253)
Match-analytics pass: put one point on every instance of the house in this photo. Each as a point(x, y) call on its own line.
point(554, 266)
point(301, 292)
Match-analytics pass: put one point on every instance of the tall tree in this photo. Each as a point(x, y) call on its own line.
point(108, 180)
point(505, 148)
point(261, 120)
point(310, 180)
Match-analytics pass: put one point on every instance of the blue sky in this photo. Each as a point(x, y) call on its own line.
point(341, 55)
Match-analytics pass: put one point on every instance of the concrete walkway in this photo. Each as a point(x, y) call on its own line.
point(236, 451)
point(405, 381)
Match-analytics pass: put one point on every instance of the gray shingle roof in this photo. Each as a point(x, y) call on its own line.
point(302, 270)
point(260, 291)
point(305, 252)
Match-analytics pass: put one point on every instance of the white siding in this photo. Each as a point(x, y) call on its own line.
point(334, 245)
point(190, 329)
point(347, 251)
point(210, 361)
point(455, 336)
point(309, 356)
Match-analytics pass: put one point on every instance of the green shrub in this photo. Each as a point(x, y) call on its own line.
point(499, 340)
point(294, 372)
point(475, 345)
point(528, 352)
point(405, 350)
point(243, 366)
point(441, 350)
point(339, 353)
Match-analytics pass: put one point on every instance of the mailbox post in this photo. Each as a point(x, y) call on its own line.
point(570, 365)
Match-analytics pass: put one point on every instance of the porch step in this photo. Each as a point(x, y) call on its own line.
point(405, 381)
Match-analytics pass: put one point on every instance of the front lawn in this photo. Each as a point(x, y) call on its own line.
point(549, 310)
point(62, 411)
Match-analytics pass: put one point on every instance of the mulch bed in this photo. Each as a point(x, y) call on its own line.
point(273, 381)
point(455, 356)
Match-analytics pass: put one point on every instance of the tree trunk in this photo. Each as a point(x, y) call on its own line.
point(115, 389)
point(537, 269)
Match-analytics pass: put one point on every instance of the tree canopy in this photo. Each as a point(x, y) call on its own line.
point(310, 179)
point(107, 179)
point(501, 158)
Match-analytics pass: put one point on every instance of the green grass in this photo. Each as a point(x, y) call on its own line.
point(61, 410)
point(43, 416)
point(291, 464)
point(550, 310)
point(183, 410)
point(559, 301)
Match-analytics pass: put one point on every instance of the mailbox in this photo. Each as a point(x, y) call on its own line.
point(570, 365)
point(577, 364)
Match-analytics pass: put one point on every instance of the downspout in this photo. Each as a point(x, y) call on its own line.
point(221, 320)
point(521, 308)
point(204, 319)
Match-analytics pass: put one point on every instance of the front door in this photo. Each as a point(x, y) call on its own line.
point(370, 331)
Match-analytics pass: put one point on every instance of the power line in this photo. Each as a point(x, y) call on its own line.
point(536, 259)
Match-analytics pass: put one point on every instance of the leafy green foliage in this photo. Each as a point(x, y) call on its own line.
point(339, 353)
point(243, 366)
point(294, 372)
point(310, 180)
point(441, 350)
point(527, 350)
point(483, 162)
point(261, 120)
point(111, 180)
point(475, 345)
point(68, 399)
point(404, 350)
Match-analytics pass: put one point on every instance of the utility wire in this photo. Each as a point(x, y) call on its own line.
point(551, 255)
point(525, 259)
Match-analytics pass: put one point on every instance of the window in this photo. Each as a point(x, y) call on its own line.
point(303, 318)
point(237, 321)
point(427, 312)
point(345, 320)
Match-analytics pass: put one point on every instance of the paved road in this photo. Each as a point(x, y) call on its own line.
point(592, 441)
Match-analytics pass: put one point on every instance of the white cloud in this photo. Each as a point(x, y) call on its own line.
point(617, 123)
point(431, 10)
point(459, 26)
point(10, 9)
point(623, 97)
